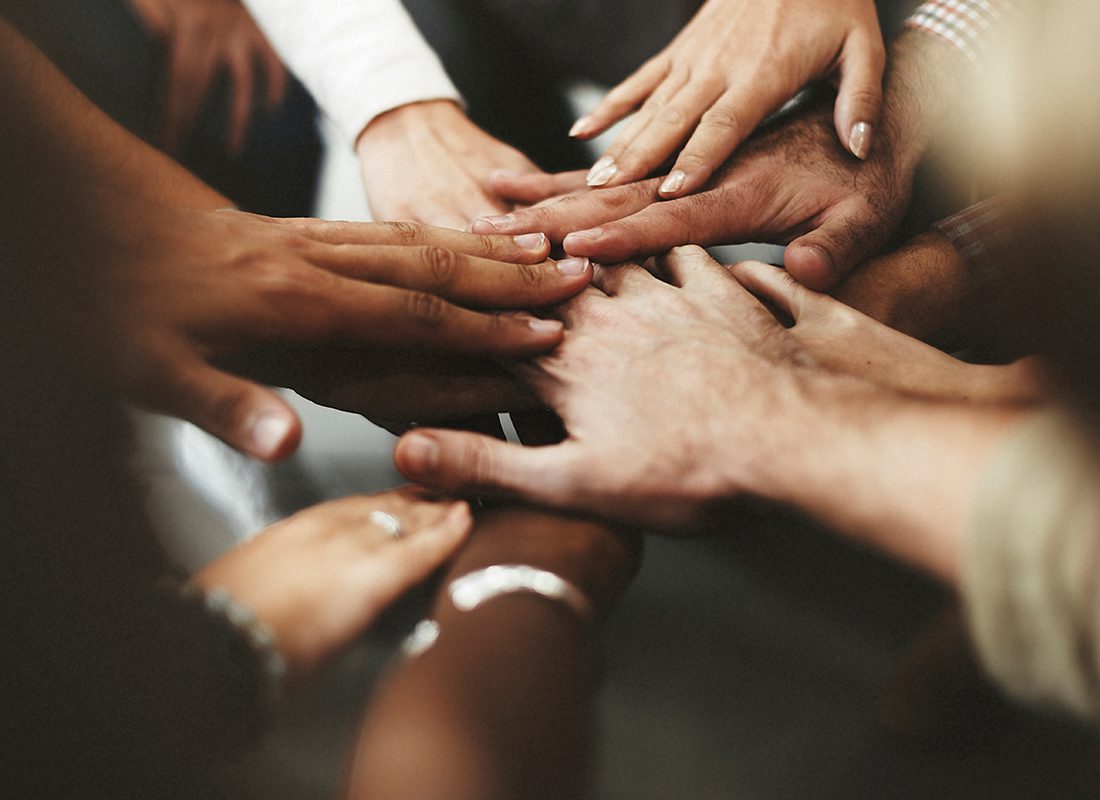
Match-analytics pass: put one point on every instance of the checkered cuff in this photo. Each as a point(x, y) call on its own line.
point(979, 234)
point(970, 25)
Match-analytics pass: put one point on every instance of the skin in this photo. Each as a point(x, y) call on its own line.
point(745, 410)
point(203, 39)
point(792, 184)
point(319, 579)
point(703, 95)
point(187, 304)
point(502, 705)
point(426, 162)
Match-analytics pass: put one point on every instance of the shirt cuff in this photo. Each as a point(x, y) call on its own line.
point(969, 25)
point(979, 234)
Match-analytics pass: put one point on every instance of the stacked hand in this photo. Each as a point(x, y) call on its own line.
point(732, 65)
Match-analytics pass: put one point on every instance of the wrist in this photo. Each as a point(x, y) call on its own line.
point(406, 120)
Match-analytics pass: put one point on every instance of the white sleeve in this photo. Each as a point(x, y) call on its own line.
point(358, 58)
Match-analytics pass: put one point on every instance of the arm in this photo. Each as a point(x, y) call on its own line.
point(372, 72)
point(501, 705)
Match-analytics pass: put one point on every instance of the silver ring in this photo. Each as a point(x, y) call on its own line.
point(387, 522)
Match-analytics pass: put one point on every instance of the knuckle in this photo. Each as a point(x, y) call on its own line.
point(529, 275)
point(426, 308)
point(442, 265)
point(674, 116)
point(724, 121)
point(400, 232)
point(480, 465)
point(865, 98)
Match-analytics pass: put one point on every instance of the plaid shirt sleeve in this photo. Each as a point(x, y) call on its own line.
point(979, 234)
point(970, 25)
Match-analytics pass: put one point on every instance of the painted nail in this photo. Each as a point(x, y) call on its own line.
point(573, 266)
point(604, 174)
point(674, 182)
point(498, 222)
point(530, 241)
point(544, 325)
point(581, 126)
point(860, 141)
point(267, 433)
point(421, 452)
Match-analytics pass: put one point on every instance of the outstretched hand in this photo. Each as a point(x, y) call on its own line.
point(792, 184)
point(732, 65)
point(180, 309)
point(667, 393)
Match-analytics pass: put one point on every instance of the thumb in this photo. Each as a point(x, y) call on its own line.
point(859, 96)
point(469, 463)
point(246, 416)
point(822, 257)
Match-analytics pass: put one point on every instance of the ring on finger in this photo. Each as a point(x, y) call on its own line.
point(387, 522)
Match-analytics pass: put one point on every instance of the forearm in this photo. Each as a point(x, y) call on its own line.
point(501, 705)
point(896, 473)
point(53, 134)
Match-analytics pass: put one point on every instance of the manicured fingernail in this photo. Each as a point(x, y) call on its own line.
point(498, 222)
point(674, 182)
point(860, 140)
point(590, 235)
point(421, 452)
point(530, 241)
point(544, 325)
point(573, 266)
point(599, 175)
point(267, 433)
point(581, 126)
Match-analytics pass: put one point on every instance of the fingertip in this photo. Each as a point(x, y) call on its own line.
point(582, 243)
point(417, 455)
point(673, 185)
point(859, 140)
point(272, 435)
point(810, 265)
point(498, 223)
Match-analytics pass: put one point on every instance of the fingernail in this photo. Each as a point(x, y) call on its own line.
point(581, 126)
point(674, 182)
point(599, 175)
point(268, 432)
point(544, 325)
point(498, 222)
point(590, 235)
point(860, 140)
point(421, 452)
point(530, 241)
point(573, 266)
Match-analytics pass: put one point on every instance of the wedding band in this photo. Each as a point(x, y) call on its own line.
point(421, 639)
point(387, 522)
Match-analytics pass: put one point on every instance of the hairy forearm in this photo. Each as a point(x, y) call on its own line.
point(53, 135)
point(501, 705)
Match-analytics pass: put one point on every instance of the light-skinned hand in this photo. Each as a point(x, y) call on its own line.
point(319, 579)
point(732, 65)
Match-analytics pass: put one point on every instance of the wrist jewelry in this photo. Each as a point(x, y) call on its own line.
point(475, 588)
point(480, 586)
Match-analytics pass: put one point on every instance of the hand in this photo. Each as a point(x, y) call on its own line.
point(321, 577)
point(164, 304)
point(426, 162)
point(844, 340)
point(791, 184)
point(732, 65)
point(668, 394)
point(203, 38)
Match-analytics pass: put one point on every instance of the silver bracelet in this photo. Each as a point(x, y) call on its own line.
point(480, 586)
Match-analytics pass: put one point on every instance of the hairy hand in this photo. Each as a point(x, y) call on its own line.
point(426, 162)
point(321, 577)
point(667, 392)
point(792, 184)
point(203, 38)
point(732, 65)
